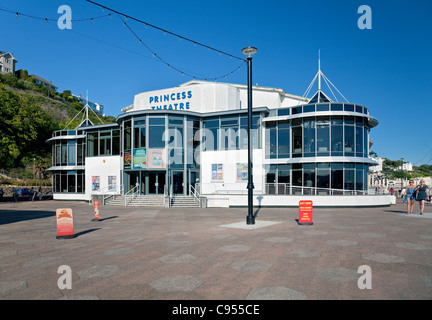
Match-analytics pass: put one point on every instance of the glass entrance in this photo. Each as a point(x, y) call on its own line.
point(156, 182)
point(177, 182)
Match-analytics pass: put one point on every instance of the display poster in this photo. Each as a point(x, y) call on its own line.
point(127, 160)
point(95, 183)
point(139, 160)
point(112, 183)
point(242, 171)
point(217, 172)
point(65, 227)
point(156, 158)
point(305, 212)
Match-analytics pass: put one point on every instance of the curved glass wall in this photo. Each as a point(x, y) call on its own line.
point(317, 136)
point(317, 178)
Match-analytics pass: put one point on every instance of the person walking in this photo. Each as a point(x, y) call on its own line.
point(409, 196)
point(423, 195)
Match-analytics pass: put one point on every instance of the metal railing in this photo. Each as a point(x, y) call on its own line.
point(132, 194)
point(278, 189)
point(110, 193)
point(288, 189)
point(193, 191)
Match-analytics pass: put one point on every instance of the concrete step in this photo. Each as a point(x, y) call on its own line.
point(184, 201)
point(147, 201)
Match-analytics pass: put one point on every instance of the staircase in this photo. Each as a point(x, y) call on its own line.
point(138, 201)
point(117, 200)
point(184, 201)
point(147, 201)
point(154, 201)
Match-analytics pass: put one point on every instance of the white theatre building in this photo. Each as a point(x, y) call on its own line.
point(191, 141)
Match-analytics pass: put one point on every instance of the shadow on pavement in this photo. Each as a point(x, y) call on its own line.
point(12, 216)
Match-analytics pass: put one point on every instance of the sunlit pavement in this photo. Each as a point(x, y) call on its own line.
point(211, 254)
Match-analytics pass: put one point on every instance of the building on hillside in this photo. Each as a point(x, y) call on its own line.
point(406, 166)
point(192, 140)
point(7, 62)
point(94, 106)
point(44, 82)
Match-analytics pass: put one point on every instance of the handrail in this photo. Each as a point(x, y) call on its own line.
point(106, 197)
point(287, 189)
point(132, 193)
point(194, 192)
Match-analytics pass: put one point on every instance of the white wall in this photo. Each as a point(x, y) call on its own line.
point(293, 201)
point(103, 167)
point(229, 160)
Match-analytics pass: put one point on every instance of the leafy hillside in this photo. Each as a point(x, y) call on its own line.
point(29, 113)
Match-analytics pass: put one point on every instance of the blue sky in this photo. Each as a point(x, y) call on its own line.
point(388, 68)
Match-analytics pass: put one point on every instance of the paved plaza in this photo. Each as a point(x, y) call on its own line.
point(211, 254)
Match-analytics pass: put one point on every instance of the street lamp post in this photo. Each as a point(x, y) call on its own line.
point(402, 178)
point(249, 51)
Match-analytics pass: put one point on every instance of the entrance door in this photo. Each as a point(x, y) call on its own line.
point(161, 183)
point(133, 180)
point(152, 182)
point(156, 182)
point(177, 182)
point(193, 178)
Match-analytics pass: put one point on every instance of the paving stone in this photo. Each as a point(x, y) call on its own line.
point(178, 258)
point(79, 298)
point(383, 258)
point(342, 243)
point(99, 271)
point(427, 280)
point(341, 274)
point(303, 253)
point(275, 293)
point(9, 287)
point(118, 251)
point(7, 253)
point(129, 239)
point(179, 233)
point(413, 246)
point(280, 240)
point(250, 266)
point(176, 283)
point(235, 248)
point(178, 243)
point(41, 262)
point(372, 235)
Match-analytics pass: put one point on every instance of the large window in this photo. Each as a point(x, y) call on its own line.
point(210, 134)
point(68, 181)
point(283, 139)
point(105, 143)
point(156, 132)
point(93, 144)
point(309, 141)
point(271, 140)
point(175, 141)
point(337, 136)
point(323, 136)
point(297, 138)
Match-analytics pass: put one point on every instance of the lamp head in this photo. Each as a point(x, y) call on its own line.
point(249, 51)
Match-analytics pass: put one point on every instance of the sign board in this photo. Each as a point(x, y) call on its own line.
point(65, 228)
point(305, 212)
point(96, 210)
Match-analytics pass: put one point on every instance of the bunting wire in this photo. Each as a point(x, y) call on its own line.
point(121, 15)
point(168, 64)
point(18, 14)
